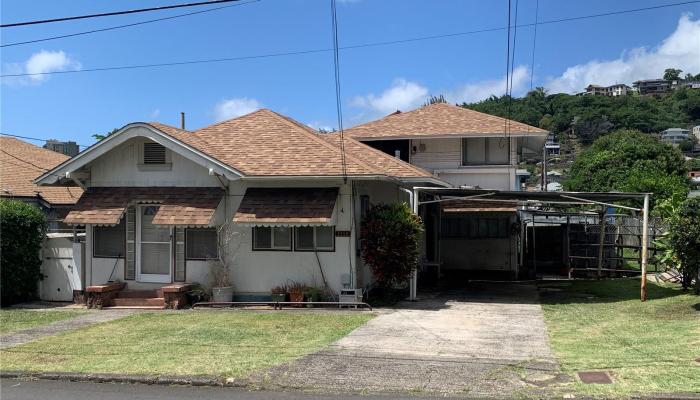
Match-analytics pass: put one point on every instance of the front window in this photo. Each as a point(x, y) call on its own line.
point(319, 238)
point(108, 241)
point(201, 243)
point(272, 238)
point(485, 151)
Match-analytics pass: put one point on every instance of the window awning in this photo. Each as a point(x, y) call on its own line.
point(287, 207)
point(461, 206)
point(186, 206)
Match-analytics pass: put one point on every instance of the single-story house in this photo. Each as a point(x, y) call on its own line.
point(286, 200)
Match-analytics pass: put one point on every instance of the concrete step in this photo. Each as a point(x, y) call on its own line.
point(140, 294)
point(138, 302)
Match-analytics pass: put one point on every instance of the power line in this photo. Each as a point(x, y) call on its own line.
point(125, 26)
point(512, 69)
point(108, 14)
point(357, 46)
point(32, 138)
point(534, 42)
point(505, 120)
point(338, 103)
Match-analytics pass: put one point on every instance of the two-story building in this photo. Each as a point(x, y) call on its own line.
point(465, 148)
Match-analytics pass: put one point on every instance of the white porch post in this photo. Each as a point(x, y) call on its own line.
point(413, 285)
point(645, 245)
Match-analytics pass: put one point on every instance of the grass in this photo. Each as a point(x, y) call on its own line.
point(647, 347)
point(13, 319)
point(216, 343)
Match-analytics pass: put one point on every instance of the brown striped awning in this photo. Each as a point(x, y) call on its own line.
point(287, 206)
point(191, 206)
point(466, 206)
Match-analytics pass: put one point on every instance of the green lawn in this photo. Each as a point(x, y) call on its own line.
point(14, 319)
point(218, 343)
point(647, 347)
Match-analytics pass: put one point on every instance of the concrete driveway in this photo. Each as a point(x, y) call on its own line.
point(485, 340)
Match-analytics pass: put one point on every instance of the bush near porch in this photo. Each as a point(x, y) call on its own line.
point(647, 347)
point(215, 343)
point(21, 237)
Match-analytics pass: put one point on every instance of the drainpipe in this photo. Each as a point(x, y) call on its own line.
point(413, 201)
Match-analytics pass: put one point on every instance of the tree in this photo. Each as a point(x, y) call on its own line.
point(435, 100)
point(628, 160)
point(684, 238)
point(99, 137)
point(390, 242)
point(672, 74)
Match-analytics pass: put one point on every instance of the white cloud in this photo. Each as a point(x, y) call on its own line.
point(680, 50)
point(481, 90)
point(41, 63)
point(318, 125)
point(232, 108)
point(402, 95)
point(155, 113)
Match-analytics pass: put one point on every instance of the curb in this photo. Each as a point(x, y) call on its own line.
point(165, 380)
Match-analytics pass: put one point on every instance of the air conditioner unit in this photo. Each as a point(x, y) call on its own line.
point(350, 296)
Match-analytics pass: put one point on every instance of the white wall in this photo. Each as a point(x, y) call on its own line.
point(443, 157)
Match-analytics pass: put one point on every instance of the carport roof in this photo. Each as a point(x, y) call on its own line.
point(524, 197)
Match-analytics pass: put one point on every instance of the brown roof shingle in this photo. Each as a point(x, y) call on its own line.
point(287, 205)
point(264, 143)
point(440, 119)
point(21, 163)
point(187, 206)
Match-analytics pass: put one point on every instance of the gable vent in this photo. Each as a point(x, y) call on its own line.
point(153, 153)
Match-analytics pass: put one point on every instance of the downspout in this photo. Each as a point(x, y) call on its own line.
point(413, 284)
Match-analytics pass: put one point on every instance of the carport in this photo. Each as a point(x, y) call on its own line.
point(635, 205)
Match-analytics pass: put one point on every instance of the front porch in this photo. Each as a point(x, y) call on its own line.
point(116, 295)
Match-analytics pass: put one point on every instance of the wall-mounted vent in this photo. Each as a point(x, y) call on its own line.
point(153, 153)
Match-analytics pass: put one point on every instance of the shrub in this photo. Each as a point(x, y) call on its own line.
point(684, 238)
point(22, 230)
point(390, 240)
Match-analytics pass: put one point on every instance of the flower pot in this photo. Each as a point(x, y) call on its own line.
point(279, 297)
point(222, 294)
point(296, 296)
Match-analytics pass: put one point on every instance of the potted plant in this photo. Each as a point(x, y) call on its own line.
point(296, 291)
point(221, 288)
point(197, 294)
point(312, 294)
point(279, 293)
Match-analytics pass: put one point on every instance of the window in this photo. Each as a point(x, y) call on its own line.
point(364, 207)
point(153, 153)
point(272, 238)
point(108, 241)
point(476, 227)
point(310, 238)
point(201, 243)
point(485, 151)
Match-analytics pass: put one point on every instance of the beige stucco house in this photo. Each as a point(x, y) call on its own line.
point(290, 201)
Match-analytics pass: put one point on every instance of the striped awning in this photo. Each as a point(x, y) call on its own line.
point(287, 207)
point(187, 206)
point(478, 205)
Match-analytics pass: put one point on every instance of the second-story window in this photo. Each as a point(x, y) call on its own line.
point(485, 151)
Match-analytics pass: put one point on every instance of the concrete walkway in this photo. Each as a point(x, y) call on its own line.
point(485, 340)
point(28, 335)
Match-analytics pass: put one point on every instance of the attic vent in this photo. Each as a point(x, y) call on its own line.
point(153, 153)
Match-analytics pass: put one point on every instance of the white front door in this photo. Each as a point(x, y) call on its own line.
point(154, 253)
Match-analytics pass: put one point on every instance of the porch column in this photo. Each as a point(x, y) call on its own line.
point(645, 245)
point(413, 284)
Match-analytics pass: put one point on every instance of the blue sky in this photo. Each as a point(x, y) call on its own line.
point(375, 80)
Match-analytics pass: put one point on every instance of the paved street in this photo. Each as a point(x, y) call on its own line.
point(58, 390)
point(485, 340)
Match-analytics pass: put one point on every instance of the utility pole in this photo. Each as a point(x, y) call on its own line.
point(645, 246)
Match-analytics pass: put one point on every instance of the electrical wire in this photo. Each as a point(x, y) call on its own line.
point(357, 46)
point(505, 120)
point(338, 103)
point(111, 28)
point(32, 138)
point(113, 13)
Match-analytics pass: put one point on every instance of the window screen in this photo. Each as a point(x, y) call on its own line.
point(153, 153)
point(272, 238)
point(476, 227)
point(320, 238)
point(485, 151)
point(108, 241)
point(305, 238)
point(201, 243)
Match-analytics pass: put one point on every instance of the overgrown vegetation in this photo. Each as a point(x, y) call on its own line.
point(21, 235)
point(589, 117)
point(630, 161)
point(390, 240)
point(647, 347)
point(684, 239)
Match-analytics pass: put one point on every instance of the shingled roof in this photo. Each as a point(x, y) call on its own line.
point(21, 162)
point(264, 143)
point(440, 119)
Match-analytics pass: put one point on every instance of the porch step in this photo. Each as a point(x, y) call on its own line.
point(140, 294)
point(138, 302)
